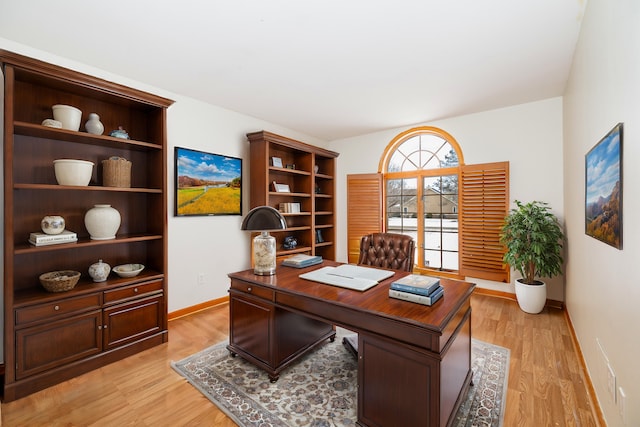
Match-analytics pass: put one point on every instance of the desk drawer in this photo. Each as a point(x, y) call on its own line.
point(57, 308)
point(251, 289)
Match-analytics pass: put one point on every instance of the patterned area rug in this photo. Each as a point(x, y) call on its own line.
point(319, 390)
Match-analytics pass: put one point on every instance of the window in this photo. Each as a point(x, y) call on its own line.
point(421, 170)
point(452, 210)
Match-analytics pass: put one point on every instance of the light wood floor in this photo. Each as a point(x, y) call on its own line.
point(546, 386)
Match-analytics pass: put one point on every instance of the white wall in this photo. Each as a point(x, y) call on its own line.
point(212, 246)
point(529, 136)
point(603, 296)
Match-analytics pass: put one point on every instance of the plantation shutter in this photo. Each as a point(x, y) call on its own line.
point(484, 199)
point(364, 210)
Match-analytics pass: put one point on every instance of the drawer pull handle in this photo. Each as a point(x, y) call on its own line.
point(135, 290)
point(99, 327)
point(249, 289)
point(56, 308)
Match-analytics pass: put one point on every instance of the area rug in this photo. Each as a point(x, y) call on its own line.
point(319, 390)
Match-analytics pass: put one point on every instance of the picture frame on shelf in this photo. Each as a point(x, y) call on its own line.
point(281, 188)
point(603, 189)
point(207, 184)
point(276, 162)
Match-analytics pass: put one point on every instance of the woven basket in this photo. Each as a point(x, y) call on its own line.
point(116, 172)
point(59, 281)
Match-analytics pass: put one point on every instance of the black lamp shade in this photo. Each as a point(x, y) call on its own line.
point(263, 218)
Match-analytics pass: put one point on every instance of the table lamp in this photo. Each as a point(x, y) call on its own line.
point(263, 219)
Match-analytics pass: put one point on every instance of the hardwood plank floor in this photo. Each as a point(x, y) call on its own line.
point(546, 385)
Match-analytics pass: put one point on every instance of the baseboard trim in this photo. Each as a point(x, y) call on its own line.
point(550, 303)
point(587, 378)
point(198, 307)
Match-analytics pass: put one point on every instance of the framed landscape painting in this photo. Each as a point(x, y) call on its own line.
point(603, 192)
point(207, 183)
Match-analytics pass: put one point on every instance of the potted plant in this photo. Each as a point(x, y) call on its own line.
point(533, 239)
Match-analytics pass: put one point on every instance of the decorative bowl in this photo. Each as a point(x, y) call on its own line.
point(73, 172)
point(52, 123)
point(67, 115)
point(59, 281)
point(128, 270)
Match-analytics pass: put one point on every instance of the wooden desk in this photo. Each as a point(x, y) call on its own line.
point(414, 361)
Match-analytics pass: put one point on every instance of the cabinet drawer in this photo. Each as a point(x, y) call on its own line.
point(249, 288)
point(132, 291)
point(57, 308)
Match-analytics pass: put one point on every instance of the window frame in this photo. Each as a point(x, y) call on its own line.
point(419, 175)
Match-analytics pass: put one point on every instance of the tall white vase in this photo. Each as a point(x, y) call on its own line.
point(102, 222)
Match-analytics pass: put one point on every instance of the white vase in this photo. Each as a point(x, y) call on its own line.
point(531, 298)
point(102, 222)
point(99, 271)
point(52, 224)
point(94, 125)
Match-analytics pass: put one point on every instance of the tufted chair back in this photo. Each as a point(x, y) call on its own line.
point(387, 250)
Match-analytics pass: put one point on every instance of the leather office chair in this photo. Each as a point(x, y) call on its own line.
point(385, 250)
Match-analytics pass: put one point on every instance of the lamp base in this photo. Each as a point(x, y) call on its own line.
point(264, 273)
point(264, 254)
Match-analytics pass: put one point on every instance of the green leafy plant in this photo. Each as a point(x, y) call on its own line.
point(533, 239)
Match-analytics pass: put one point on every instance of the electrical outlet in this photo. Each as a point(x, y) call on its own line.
point(201, 279)
point(611, 382)
point(622, 398)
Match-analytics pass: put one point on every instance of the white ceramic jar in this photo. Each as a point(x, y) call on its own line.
point(52, 224)
point(99, 271)
point(102, 222)
point(94, 125)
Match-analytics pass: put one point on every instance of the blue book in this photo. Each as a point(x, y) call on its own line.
point(420, 299)
point(416, 284)
point(302, 260)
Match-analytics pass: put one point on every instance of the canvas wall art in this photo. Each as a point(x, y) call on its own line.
point(603, 192)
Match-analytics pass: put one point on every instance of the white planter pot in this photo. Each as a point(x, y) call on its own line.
point(531, 298)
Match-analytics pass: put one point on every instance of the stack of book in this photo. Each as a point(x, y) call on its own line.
point(302, 260)
point(417, 288)
point(42, 239)
point(289, 207)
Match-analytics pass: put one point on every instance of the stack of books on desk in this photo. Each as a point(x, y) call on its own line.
point(417, 288)
point(302, 260)
point(42, 239)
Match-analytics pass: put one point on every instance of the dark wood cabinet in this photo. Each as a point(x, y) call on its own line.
point(51, 337)
point(309, 174)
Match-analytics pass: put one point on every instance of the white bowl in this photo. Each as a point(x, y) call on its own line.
point(128, 270)
point(73, 172)
point(67, 115)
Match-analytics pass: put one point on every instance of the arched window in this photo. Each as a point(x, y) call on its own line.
point(421, 169)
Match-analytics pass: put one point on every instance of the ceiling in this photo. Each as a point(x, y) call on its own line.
point(330, 69)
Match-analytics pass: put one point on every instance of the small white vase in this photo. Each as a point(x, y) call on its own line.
point(94, 125)
point(52, 224)
point(102, 222)
point(99, 271)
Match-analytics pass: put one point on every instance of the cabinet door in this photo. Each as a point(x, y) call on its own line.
point(56, 343)
point(132, 321)
point(249, 328)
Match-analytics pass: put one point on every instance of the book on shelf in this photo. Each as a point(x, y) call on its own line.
point(419, 299)
point(416, 284)
point(302, 260)
point(42, 239)
point(289, 207)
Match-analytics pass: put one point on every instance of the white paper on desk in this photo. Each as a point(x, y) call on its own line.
point(360, 272)
point(347, 277)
